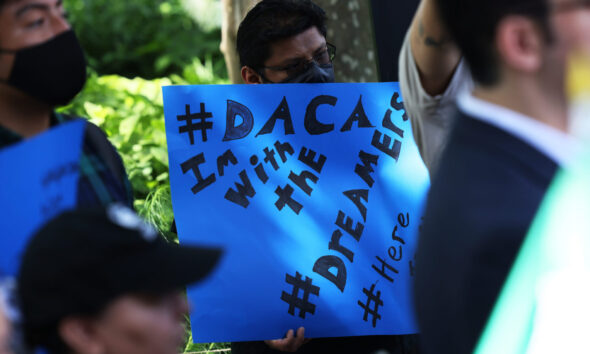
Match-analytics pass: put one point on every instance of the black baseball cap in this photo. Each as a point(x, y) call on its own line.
point(84, 259)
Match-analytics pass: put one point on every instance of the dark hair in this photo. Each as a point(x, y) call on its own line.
point(273, 20)
point(473, 24)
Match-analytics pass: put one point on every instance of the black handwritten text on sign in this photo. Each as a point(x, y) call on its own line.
point(298, 183)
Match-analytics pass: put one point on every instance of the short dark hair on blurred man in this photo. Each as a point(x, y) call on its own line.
point(474, 34)
point(103, 281)
point(279, 40)
point(509, 138)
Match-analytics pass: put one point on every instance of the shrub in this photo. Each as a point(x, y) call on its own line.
point(145, 38)
point(131, 113)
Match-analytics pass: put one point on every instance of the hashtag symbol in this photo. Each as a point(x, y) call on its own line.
point(293, 299)
point(372, 297)
point(191, 127)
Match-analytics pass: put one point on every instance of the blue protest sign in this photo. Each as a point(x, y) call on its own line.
point(39, 180)
point(315, 192)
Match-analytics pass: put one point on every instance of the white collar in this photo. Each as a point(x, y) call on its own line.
point(558, 146)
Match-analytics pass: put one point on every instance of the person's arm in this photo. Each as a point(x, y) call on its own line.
point(436, 56)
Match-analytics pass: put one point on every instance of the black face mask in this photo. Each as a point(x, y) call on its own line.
point(53, 72)
point(315, 74)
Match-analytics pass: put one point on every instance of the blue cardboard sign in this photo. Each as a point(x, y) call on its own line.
point(39, 180)
point(315, 191)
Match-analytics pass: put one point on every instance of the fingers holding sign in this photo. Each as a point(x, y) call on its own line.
point(291, 343)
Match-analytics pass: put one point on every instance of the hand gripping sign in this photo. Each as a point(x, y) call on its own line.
point(39, 180)
point(315, 191)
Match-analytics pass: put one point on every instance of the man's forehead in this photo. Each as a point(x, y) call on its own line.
point(18, 3)
point(302, 44)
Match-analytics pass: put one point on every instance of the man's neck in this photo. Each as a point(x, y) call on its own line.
point(529, 99)
point(23, 115)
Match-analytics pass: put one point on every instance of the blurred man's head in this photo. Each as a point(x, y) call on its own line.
point(531, 39)
point(40, 57)
point(105, 282)
point(285, 41)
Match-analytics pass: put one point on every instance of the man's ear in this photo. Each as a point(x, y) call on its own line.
point(520, 42)
point(79, 334)
point(250, 76)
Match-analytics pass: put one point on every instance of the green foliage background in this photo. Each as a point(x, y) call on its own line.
point(133, 49)
point(131, 113)
point(146, 38)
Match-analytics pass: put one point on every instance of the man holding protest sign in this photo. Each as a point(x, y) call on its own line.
point(510, 136)
point(42, 66)
point(284, 41)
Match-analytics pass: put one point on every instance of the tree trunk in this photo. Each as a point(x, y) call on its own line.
point(350, 29)
point(233, 13)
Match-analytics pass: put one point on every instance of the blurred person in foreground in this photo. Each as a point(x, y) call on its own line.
point(97, 281)
point(509, 138)
point(42, 66)
point(284, 41)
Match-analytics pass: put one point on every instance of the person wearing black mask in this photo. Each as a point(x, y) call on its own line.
point(284, 41)
point(42, 66)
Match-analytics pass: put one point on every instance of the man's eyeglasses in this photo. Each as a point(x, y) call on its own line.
point(324, 57)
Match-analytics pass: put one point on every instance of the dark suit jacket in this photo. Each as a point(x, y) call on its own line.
point(482, 201)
